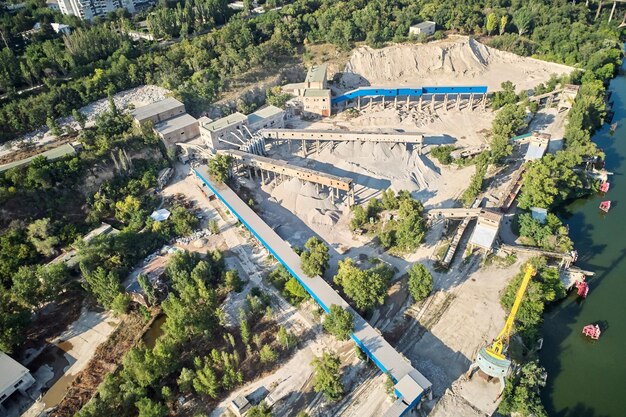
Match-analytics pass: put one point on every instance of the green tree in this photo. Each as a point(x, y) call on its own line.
point(420, 282)
point(183, 221)
point(315, 259)
point(104, 285)
point(509, 120)
point(14, 321)
point(260, 410)
point(359, 217)
point(185, 380)
point(339, 322)
point(389, 200)
point(504, 20)
point(327, 378)
point(412, 227)
point(244, 327)
point(275, 97)
point(205, 381)
point(232, 280)
point(53, 126)
point(40, 235)
point(492, 22)
point(365, 288)
point(267, 354)
point(121, 303)
point(219, 167)
point(285, 338)
point(147, 288)
point(521, 396)
point(149, 408)
point(295, 291)
point(523, 19)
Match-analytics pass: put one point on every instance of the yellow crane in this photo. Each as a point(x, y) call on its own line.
point(491, 359)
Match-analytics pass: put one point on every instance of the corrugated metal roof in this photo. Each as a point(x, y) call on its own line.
point(144, 112)
point(224, 122)
point(264, 113)
point(535, 151)
point(484, 236)
point(174, 124)
point(11, 371)
point(424, 25)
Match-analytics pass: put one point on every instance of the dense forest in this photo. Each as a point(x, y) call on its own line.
point(203, 46)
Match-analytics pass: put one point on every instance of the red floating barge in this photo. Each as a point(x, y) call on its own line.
point(605, 206)
point(582, 288)
point(604, 187)
point(592, 330)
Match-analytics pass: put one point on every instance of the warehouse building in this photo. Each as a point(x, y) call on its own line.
point(159, 111)
point(178, 129)
point(13, 377)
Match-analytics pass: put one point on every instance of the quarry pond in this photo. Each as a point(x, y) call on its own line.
point(586, 378)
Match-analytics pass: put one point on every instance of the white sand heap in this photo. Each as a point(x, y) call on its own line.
point(303, 199)
point(376, 161)
point(455, 61)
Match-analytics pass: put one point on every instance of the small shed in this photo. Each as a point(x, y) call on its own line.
point(160, 215)
point(537, 146)
point(427, 28)
point(240, 405)
point(486, 230)
point(539, 214)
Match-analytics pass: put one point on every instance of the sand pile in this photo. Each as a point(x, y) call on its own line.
point(455, 61)
point(375, 161)
point(303, 199)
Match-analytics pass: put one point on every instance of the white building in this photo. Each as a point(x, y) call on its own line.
point(88, 9)
point(13, 377)
point(427, 28)
point(212, 131)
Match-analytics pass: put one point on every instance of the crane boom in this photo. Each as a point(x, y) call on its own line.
point(497, 347)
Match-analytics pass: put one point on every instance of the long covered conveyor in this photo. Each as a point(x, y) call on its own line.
point(284, 168)
point(411, 385)
point(342, 136)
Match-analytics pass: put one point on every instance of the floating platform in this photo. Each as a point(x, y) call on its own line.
point(604, 187)
point(605, 206)
point(593, 331)
point(582, 288)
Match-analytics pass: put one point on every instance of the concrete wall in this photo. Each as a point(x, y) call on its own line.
point(276, 121)
point(428, 30)
point(21, 385)
point(317, 105)
point(183, 134)
point(211, 138)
